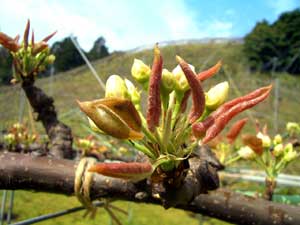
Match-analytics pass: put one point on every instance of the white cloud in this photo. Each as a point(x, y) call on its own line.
point(124, 24)
point(280, 6)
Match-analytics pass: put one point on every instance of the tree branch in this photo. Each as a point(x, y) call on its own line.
point(59, 134)
point(19, 171)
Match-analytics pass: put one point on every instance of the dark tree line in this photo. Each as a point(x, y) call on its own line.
point(67, 57)
point(5, 66)
point(275, 47)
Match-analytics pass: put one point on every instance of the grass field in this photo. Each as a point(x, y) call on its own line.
point(80, 84)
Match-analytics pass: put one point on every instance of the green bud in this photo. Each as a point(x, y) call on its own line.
point(140, 71)
point(9, 139)
point(133, 92)
point(116, 87)
point(246, 153)
point(168, 81)
point(289, 153)
point(84, 143)
point(266, 141)
point(217, 95)
point(181, 83)
point(293, 128)
point(277, 139)
point(288, 148)
point(50, 59)
point(278, 150)
point(18, 126)
point(41, 68)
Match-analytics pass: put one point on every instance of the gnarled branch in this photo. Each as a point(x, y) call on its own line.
point(19, 171)
point(60, 135)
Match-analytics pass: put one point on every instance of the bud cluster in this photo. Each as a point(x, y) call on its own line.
point(18, 135)
point(272, 154)
point(89, 145)
point(29, 57)
point(167, 134)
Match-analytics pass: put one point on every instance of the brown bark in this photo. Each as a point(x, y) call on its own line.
point(59, 134)
point(19, 171)
point(270, 187)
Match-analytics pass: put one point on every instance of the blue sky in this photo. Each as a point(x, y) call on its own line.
point(133, 23)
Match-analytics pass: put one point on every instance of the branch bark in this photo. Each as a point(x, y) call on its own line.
point(60, 135)
point(19, 171)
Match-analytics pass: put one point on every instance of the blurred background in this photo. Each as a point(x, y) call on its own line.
point(258, 42)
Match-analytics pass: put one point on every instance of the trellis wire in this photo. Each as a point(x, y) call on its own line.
point(96, 75)
point(259, 176)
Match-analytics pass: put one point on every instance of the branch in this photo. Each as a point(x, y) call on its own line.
point(59, 134)
point(19, 171)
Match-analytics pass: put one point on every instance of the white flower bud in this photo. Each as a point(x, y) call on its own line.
point(277, 139)
point(140, 71)
point(278, 150)
point(217, 95)
point(265, 140)
point(246, 153)
point(116, 87)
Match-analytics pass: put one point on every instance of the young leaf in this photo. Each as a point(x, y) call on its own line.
point(235, 130)
point(116, 117)
point(134, 171)
point(196, 89)
point(154, 101)
point(210, 72)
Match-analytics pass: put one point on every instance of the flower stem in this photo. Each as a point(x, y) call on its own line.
point(232, 160)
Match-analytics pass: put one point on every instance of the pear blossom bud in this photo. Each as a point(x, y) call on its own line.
point(277, 139)
point(50, 59)
point(293, 128)
point(288, 148)
point(140, 71)
point(168, 81)
point(289, 153)
point(246, 153)
point(181, 83)
point(217, 95)
point(84, 143)
point(17, 126)
point(266, 141)
point(278, 150)
point(9, 138)
point(133, 92)
point(116, 87)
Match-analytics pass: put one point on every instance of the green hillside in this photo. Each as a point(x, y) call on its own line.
point(80, 84)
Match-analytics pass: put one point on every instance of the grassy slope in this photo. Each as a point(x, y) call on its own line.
point(80, 84)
